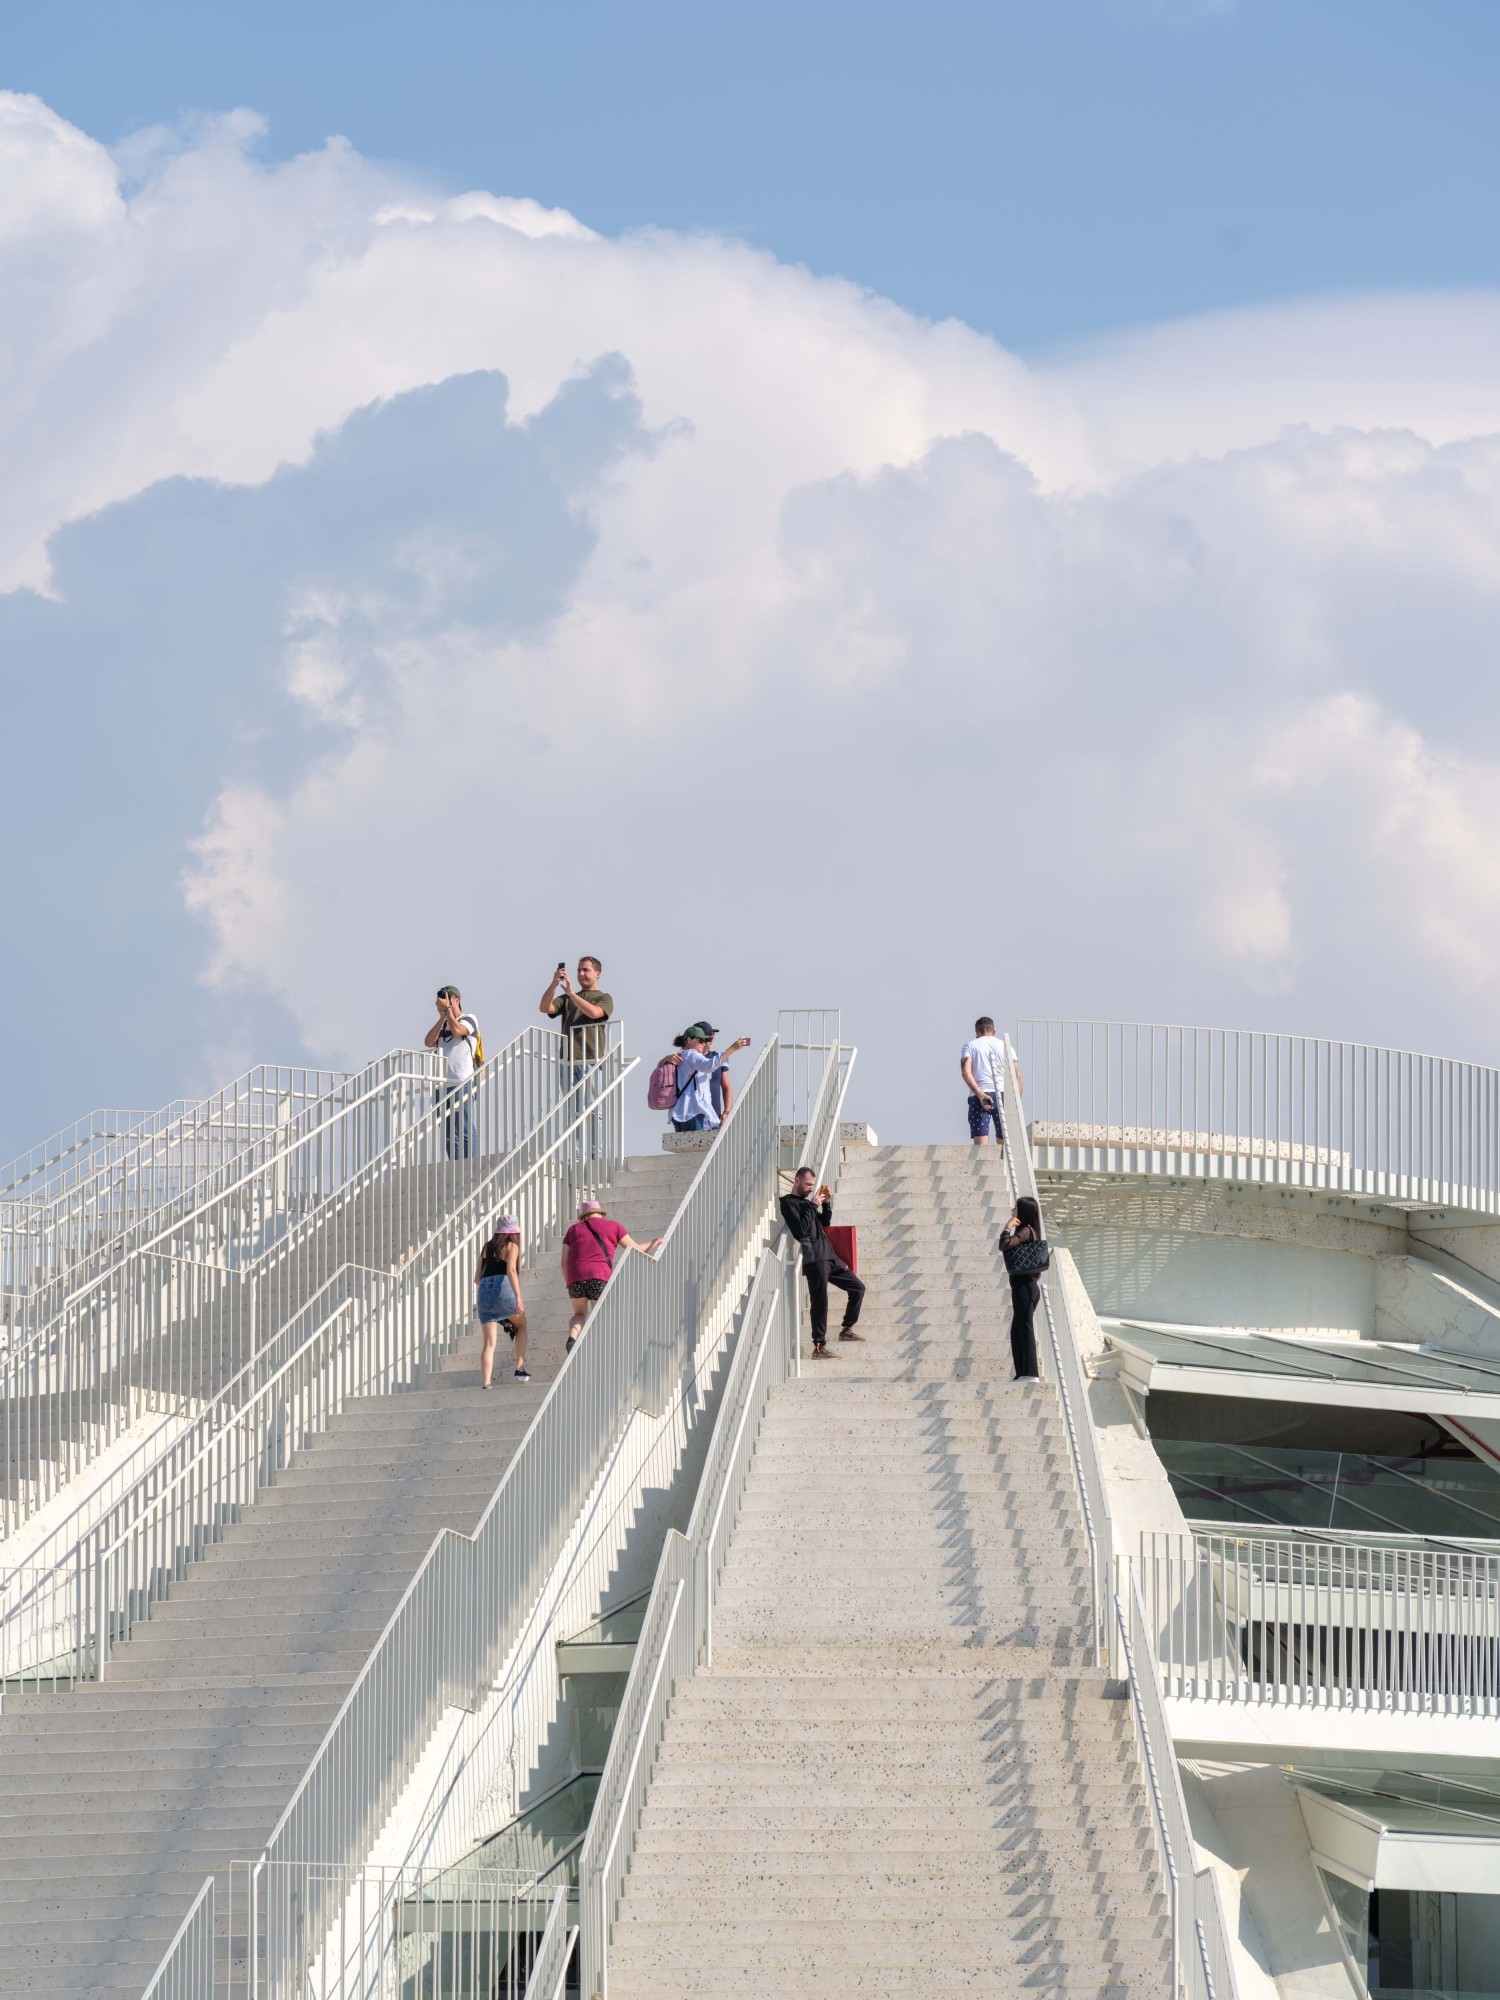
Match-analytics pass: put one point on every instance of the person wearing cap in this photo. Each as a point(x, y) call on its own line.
point(588, 1256)
point(697, 1067)
point(498, 1277)
point(720, 1087)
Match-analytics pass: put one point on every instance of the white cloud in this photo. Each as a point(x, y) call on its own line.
point(1154, 679)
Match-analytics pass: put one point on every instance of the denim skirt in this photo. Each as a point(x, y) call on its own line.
point(497, 1299)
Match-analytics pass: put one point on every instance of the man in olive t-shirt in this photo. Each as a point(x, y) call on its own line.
point(583, 1011)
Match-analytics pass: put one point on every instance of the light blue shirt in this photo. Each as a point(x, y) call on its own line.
point(694, 1087)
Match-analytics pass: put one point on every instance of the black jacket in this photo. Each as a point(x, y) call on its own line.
point(806, 1221)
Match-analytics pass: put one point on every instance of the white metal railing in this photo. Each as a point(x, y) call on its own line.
point(83, 1147)
point(1395, 1626)
point(1212, 1927)
point(191, 1295)
point(677, 1633)
point(805, 1035)
point(186, 1971)
point(549, 1973)
point(362, 1331)
point(1236, 1103)
point(464, 1932)
point(1061, 1360)
point(463, 1611)
point(1201, 1965)
point(1202, 1968)
point(57, 1219)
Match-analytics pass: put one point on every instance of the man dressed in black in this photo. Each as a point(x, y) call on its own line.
point(807, 1220)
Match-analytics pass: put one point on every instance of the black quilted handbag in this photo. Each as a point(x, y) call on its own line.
point(1027, 1260)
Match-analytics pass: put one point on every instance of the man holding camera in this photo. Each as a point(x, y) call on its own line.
point(455, 1033)
point(807, 1218)
point(584, 1011)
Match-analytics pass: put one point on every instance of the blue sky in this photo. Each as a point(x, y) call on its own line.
point(1042, 172)
point(947, 509)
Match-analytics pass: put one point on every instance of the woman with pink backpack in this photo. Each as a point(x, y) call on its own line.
point(683, 1084)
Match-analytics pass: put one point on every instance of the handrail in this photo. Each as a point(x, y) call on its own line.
point(549, 1971)
point(677, 1632)
point(463, 1611)
point(1066, 1371)
point(375, 1329)
point(1262, 1619)
point(1202, 1968)
point(255, 1242)
point(1149, 1097)
point(103, 1126)
point(1196, 1943)
point(466, 1928)
point(74, 1213)
point(186, 1971)
point(346, 1091)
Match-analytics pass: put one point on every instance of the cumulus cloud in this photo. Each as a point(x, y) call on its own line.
point(518, 591)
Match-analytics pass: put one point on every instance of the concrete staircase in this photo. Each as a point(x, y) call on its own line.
point(204, 1342)
point(118, 1798)
point(901, 1774)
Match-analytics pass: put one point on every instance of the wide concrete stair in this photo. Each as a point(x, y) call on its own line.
point(118, 1798)
point(205, 1339)
point(902, 1773)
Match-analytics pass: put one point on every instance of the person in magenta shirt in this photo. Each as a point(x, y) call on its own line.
point(588, 1257)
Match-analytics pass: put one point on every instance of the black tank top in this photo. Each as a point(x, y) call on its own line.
point(492, 1258)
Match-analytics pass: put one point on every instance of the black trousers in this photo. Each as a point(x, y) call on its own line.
point(1025, 1295)
point(818, 1281)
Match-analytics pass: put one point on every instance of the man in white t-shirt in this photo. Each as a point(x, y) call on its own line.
point(982, 1065)
point(454, 1033)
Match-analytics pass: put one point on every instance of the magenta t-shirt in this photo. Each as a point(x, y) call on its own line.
point(592, 1246)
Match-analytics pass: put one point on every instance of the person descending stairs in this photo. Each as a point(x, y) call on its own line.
point(902, 1772)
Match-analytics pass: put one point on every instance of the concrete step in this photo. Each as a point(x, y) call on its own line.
point(1074, 1785)
point(820, 1898)
point(1042, 1737)
point(169, 1750)
point(628, 1981)
point(852, 1701)
point(756, 1790)
point(794, 1945)
point(1017, 1875)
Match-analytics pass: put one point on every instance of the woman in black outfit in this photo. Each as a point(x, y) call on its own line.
point(1025, 1226)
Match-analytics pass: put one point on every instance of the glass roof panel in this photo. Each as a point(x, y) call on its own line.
point(1466, 1807)
point(1371, 1363)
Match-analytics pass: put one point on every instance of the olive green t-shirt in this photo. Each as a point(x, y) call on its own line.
point(589, 1038)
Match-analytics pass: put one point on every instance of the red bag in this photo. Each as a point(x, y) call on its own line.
point(843, 1239)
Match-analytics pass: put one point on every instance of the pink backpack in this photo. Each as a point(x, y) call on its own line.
point(661, 1091)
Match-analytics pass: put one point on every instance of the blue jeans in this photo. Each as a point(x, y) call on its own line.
point(458, 1128)
point(698, 1124)
point(589, 1140)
